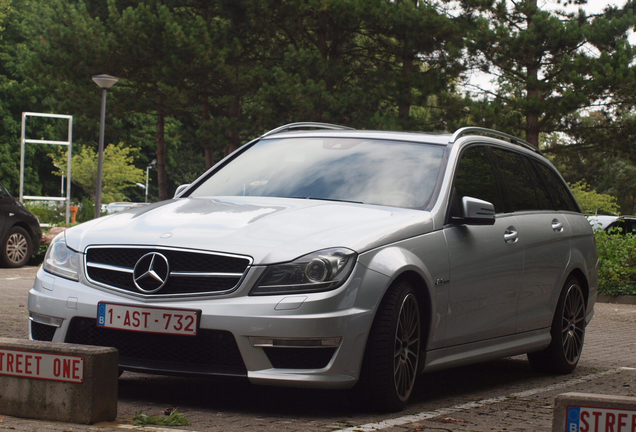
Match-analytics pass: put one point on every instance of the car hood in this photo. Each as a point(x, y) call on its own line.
point(267, 229)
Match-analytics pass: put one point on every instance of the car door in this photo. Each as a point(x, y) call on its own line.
point(486, 261)
point(546, 233)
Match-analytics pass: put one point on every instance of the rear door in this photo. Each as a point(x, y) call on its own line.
point(535, 196)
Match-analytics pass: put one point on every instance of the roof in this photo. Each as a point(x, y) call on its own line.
point(324, 130)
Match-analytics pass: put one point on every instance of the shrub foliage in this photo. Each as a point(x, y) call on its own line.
point(617, 263)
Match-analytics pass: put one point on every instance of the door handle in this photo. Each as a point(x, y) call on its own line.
point(557, 226)
point(511, 235)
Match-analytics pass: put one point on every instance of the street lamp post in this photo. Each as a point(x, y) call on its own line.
point(104, 82)
point(154, 161)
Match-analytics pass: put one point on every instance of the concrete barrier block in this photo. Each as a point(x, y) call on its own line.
point(585, 412)
point(57, 381)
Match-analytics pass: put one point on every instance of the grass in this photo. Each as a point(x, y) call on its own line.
point(174, 419)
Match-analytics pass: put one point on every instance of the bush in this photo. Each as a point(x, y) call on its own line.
point(86, 210)
point(53, 213)
point(617, 263)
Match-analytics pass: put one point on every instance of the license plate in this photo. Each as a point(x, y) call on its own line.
point(147, 319)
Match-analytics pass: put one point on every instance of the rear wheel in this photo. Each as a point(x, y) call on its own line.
point(568, 333)
point(16, 248)
point(393, 350)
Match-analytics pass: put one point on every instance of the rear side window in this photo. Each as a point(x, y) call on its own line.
point(517, 184)
point(626, 227)
point(559, 193)
point(475, 178)
point(543, 194)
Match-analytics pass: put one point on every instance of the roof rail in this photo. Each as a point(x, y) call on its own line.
point(301, 125)
point(473, 130)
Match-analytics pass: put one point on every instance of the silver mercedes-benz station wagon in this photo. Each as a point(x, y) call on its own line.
point(322, 256)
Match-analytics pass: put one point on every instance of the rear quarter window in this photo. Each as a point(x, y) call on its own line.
point(560, 195)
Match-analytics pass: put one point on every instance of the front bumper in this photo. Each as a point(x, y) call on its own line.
point(269, 332)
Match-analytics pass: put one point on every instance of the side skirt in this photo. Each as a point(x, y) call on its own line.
point(491, 349)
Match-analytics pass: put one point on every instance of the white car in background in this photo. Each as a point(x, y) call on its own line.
point(334, 257)
point(614, 224)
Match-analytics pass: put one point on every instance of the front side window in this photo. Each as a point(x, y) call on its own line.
point(475, 178)
point(368, 171)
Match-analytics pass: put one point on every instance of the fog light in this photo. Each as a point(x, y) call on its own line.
point(47, 320)
point(262, 342)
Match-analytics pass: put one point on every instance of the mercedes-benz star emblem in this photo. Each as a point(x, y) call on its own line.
point(151, 272)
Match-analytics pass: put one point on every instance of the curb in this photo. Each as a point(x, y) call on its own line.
point(619, 299)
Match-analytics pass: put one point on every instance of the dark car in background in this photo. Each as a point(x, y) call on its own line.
point(20, 232)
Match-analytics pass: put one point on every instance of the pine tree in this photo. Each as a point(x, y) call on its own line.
point(548, 64)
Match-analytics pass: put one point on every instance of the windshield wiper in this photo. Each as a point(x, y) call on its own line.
point(326, 199)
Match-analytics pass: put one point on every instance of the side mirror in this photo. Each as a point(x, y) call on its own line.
point(180, 190)
point(476, 212)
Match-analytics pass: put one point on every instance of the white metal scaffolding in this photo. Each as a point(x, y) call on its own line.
point(24, 140)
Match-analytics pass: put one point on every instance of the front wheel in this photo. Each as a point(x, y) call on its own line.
point(393, 350)
point(16, 248)
point(568, 333)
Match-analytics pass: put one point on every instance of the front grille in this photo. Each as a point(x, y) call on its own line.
point(42, 332)
point(190, 272)
point(299, 358)
point(209, 352)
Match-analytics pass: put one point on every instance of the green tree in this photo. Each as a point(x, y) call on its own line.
point(17, 95)
point(548, 64)
point(119, 171)
point(599, 148)
point(592, 202)
point(4, 10)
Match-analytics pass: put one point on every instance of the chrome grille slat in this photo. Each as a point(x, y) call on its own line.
point(185, 274)
point(110, 267)
point(192, 272)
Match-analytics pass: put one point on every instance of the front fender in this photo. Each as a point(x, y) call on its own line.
point(424, 260)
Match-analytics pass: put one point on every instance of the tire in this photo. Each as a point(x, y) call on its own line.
point(568, 333)
point(16, 248)
point(393, 350)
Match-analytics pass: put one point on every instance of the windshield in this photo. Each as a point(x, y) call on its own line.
point(393, 173)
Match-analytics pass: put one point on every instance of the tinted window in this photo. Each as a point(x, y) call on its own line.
point(343, 169)
point(517, 183)
point(541, 190)
point(559, 192)
point(475, 178)
point(622, 227)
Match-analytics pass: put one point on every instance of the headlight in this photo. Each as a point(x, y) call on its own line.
point(319, 271)
point(60, 260)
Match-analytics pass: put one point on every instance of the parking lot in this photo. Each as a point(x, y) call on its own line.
point(504, 395)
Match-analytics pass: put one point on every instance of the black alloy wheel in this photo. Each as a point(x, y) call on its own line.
point(568, 333)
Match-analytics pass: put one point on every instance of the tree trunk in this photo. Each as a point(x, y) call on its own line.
point(233, 135)
point(532, 129)
point(161, 147)
point(205, 118)
point(532, 91)
point(404, 105)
